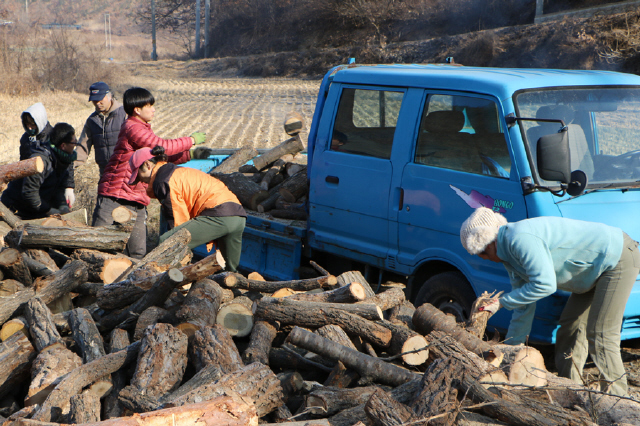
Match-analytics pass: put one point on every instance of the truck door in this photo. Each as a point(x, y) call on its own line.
point(351, 174)
point(461, 161)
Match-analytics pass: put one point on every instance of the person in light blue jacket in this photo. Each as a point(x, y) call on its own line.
point(598, 264)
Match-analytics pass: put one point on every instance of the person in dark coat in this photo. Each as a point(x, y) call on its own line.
point(43, 194)
point(36, 128)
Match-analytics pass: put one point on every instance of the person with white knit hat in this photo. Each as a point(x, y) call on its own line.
point(598, 264)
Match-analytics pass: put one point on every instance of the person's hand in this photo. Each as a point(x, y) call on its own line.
point(53, 211)
point(201, 153)
point(493, 306)
point(198, 138)
point(70, 197)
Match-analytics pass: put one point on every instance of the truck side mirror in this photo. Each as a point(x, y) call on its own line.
point(554, 161)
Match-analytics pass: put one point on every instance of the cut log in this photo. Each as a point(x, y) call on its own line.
point(249, 193)
point(60, 283)
point(41, 326)
point(111, 407)
point(262, 336)
point(169, 254)
point(276, 168)
point(103, 267)
point(151, 316)
point(232, 163)
point(295, 186)
point(284, 292)
point(83, 376)
point(388, 299)
point(438, 393)
point(61, 320)
point(42, 257)
point(9, 217)
point(366, 366)
point(99, 238)
point(235, 280)
point(85, 408)
point(36, 268)
point(477, 321)
point(523, 365)
point(403, 314)
point(286, 358)
point(255, 381)
point(349, 277)
point(341, 377)
point(236, 316)
point(123, 214)
point(12, 305)
point(383, 410)
point(336, 335)
point(21, 169)
point(48, 369)
point(293, 123)
point(293, 168)
point(290, 146)
point(368, 311)
point(327, 401)
point(15, 325)
point(200, 307)
point(155, 296)
point(351, 293)
point(412, 345)
point(291, 214)
point(270, 202)
point(14, 266)
point(120, 294)
point(16, 355)
point(213, 345)
point(10, 287)
point(428, 318)
point(310, 315)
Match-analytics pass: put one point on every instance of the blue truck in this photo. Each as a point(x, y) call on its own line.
point(400, 155)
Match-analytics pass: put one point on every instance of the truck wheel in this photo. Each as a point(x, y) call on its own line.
point(450, 292)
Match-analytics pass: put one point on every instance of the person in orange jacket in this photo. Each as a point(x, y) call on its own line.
point(193, 200)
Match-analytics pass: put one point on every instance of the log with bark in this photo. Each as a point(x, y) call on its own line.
point(310, 315)
point(111, 407)
point(295, 186)
point(84, 408)
point(402, 314)
point(119, 294)
point(36, 268)
point(123, 215)
point(21, 169)
point(382, 410)
point(262, 336)
point(291, 214)
point(412, 347)
point(41, 325)
point(200, 307)
point(477, 321)
point(368, 311)
point(213, 345)
point(387, 299)
point(369, 367)
point(14, 266)
point(276, 167)
point(12, 305)
point(9, 217)
point(290, 146)
point(14, 325)
point(327, 400)
point(151, 316)
point(10, 287)
point(351, 293)
point(48, 369)
point(103, 267)
point(293, 123)
point(98, 238)
point(236, 316)
point(235, 280)
point(16, 355)
point(355, 277)
point(234, 161)
point(249, 193)
point(42, 257)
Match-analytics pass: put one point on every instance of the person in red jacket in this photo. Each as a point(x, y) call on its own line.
point(193, 200)
point(113, 190)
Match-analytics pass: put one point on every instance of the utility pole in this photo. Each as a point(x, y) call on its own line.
point(107, 31)
point(207, 23)
point(197, 28)
point(26, 9)
point(154, 54)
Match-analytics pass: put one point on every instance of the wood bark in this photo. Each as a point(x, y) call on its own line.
point(523, 365)
point(9, 217)
point(98, 238)
point(213, 345)
point(151, 316)
point(169, 254)
point(60, 283)
point(368, 311)
point(262, 336)
point(15, 325)
point(235, 280)
point(291, 214)
point(336, 334)
point(477, 321)
point(290, 146)
point(383, 410)
point(232, 163)
point(293, 123)
point(48, 369)
point(155, 296)
point(284, 358)
point(16, 355)
point(83, 376)
point(236, 316)
point(366, 366)
point(255, 381)
point(10, 287)
point(200, 307)
point(293, 167)
point(295, 186)
point(12, 305)
point(428, 318)
point(85, 408)
point(270, 202)
point(42, 257)
point(41, 326)
point(315, 317)
point(21, 169)
point(123, 214)
point(249, 193)
point(438, 394)
point(120, 294)
point(276, 168)
point(103, 267)
point(402, 314)
point(36, 268)
point(327, 401)
point(350, 293)
point(111, 407)
point(355, 276)
point(341, 376)
point(387, 299)
point(405, 341)
point(14, 266)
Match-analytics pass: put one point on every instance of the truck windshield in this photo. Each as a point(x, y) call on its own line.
point(603, 125)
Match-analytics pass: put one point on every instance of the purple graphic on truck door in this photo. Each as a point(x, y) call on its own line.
point(475, 199)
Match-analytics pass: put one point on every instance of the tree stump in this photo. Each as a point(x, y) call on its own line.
point(16, 355)
point(14, 266)
point(213, 345)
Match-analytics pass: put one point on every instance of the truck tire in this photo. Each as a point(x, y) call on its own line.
point(450, 292)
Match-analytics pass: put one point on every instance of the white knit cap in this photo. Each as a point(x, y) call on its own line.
point(480, 229)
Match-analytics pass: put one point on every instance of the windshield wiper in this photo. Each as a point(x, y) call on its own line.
point(612, 185)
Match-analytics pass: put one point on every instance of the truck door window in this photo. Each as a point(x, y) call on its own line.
point(463, 133)
point(366, 122)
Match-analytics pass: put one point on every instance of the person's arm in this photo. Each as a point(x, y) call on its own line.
point(84, 144)
point(31, 193)
point(141, 136)
point(520, 325)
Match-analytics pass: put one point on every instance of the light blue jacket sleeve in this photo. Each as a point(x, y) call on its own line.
point(520, 325)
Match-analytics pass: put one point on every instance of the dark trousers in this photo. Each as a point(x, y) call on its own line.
point(137, 245)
